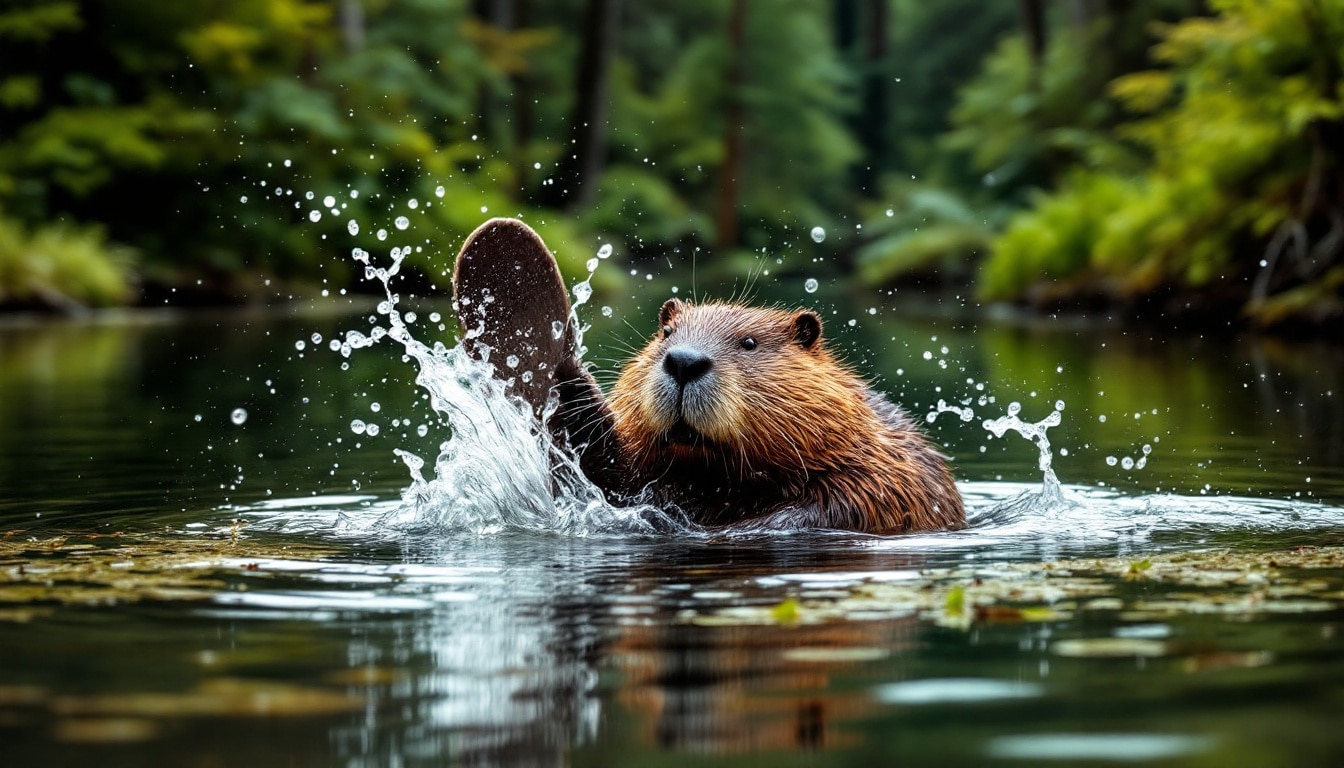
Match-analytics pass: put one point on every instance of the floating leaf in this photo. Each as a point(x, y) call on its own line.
point(786, 612)
point(956, 600)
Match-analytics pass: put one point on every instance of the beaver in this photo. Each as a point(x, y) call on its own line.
point(738, 416)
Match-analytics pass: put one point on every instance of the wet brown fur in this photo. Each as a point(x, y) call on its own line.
point(782, 435)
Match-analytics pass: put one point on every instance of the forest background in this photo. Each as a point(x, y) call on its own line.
point(1180, 161)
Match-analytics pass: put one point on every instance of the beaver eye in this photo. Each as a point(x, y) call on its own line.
point(748, 343)
point(667, 331)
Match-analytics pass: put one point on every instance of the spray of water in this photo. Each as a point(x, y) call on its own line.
point(1050, 497)
point(500, 470)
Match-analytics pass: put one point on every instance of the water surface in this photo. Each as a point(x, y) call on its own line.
point(292, 609)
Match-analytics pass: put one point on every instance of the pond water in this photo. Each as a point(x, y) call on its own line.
point(204, 560)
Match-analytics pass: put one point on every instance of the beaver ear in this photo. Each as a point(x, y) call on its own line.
point(671, 308)
point(806, 329)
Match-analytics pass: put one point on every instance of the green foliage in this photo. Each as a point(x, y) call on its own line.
point(207, 134)
point(1025, 123)
point(61, 267)
point(1237, 131)
point(1055, 241)
point(936, 48)
point(208, 137)
point(1021, 125)
point(926, 232)
point(645, 208)
point(668, 121)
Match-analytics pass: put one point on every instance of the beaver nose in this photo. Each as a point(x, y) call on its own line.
point(686, 364)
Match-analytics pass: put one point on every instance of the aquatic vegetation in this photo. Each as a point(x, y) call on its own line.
point(111, 569)
point(1306, 579)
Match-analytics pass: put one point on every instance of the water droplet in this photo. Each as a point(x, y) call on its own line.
point(511, 361)
point(1126, 463)
point(375, 407)
point(818, 234)
point(243, 199)
point(582, 292)
point(422, 430)
point(606, 311)
point(810, 285)
point(329, 201)
point(591, 266)
point(1111, 461)
point(536, 166)
point(358, 426)
point(196, 418)
point(381, 234)
point(890, 213)
point(300, 345)
point(412, 203)
point(371, 429)
point(352, 226)
point(308, 195)
point(438, 191)
point(401, 222)
point(238, 416)
point(314, 215)
point(605, 251)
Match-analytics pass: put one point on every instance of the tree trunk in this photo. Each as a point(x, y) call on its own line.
point(352, 25)
point(574, 181)
point(726, 211)
point(522, 108)
point(497, 14)
point(875, 114)
point(1033, 26)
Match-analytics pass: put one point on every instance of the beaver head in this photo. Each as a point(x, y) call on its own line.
point(750, 388)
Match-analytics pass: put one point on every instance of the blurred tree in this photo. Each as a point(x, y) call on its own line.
point(1237, 202)
point(670, 128)
point(868, 55)
point(732, 168)
point(576, 173)
point(1034, 30)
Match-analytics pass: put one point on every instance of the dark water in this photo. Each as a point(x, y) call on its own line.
point(422, 643)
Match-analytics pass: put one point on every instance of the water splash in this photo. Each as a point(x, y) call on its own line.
point(500, 470)
point(1050, 497)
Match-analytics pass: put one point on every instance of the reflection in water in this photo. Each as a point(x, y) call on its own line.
point(737, 690)
point(518, 647)
point(500, 670)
